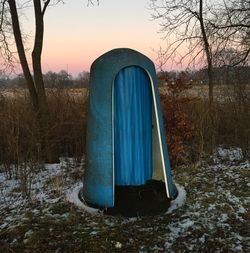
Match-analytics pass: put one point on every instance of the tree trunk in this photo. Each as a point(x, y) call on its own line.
point(35, 84)
point(43, 113)
point(22, 56)
point(208, 56)
point(37, 51)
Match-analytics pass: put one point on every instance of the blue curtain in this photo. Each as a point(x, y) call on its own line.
point(132, 127)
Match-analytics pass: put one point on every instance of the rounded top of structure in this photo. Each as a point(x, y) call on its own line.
point(121, 56)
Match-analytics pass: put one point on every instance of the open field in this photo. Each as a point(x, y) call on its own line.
point(201, 91)
point(221, 92)
point(12, 93)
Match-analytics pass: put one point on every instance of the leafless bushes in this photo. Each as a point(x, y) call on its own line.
point(195, 131)
point(20, 154)
point(194, 128)
point(229, 122)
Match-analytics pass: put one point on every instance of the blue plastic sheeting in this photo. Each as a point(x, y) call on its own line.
point(132, 127)
point(99, 171)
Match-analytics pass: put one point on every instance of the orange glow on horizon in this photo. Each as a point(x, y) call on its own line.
point(75, 35)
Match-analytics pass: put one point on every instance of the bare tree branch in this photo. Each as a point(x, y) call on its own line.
point(91, 2)
point(185, 22)
point(240, 25)
point(2, 14)
point(46, 4)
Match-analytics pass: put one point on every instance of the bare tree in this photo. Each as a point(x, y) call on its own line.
point(231, 25)
point(34, 82)
point(185, 24)
point(6, 55)
point(227, 57)
point(207, 29)
point(10, 31)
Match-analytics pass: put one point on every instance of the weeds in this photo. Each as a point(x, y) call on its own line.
point(228, 124)
point(20, 150)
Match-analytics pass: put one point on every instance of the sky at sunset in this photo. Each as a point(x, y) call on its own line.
point(76, 34)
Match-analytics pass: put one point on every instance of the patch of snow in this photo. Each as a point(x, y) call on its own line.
point(4, 225)
point(94, 233)
point(27, 236)
point(130, 220)
point(28, 233)
point(42, 190)
point(231, 198)
point(73, 197)
point(241, 210)
point(179, 201)
point(238, 248)
point(215, 205)
point(237, 245)
point(53, 168)
point(157, 249)
point(224, 217)
point(118, 245)
point(185, 224)
point(231, 154)
point(211, 207)
point(237, 204)
point(109, 223)
point(202, 239)
point(245, 165)
point(177, 229)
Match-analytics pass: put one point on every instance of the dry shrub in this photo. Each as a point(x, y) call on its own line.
point(180, 127)
point(194, 129)
point(19, 132)
point(228, 123)
point(68, 115)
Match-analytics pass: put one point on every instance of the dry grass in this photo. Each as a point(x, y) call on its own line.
point(229, 123)
point(221, 92)
point(19, 136)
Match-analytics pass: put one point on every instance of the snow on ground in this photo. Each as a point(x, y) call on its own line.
point(212, 212)
point(46, 187)
point(179, 201)
point(72, 196)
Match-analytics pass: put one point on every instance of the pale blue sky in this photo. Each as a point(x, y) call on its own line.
point(75, 35)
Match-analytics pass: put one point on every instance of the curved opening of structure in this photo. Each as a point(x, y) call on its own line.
point(132, 127)
point(135, 135)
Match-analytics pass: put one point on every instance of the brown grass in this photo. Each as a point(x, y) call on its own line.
point(20, 154)
point(19, 137)
point(229, 123)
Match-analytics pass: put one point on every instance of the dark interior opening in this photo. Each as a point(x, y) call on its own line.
point(141, 200)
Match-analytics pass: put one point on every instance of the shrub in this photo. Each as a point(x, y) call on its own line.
point(180, 127)
point(19, 136)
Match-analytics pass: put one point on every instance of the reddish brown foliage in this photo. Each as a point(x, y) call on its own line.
point(180, 128)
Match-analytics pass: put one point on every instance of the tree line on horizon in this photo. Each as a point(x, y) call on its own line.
point(61, 79)
point(238, 75)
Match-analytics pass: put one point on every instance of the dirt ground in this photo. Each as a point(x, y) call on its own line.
point(214, 218)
